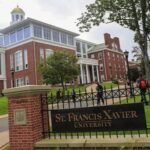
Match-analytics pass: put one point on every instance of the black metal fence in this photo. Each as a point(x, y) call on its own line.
point(118, 96)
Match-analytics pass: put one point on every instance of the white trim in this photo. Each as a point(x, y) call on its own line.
point(89, 52)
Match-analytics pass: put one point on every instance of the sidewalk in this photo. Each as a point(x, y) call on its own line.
point(4, 138)
point(4, 135)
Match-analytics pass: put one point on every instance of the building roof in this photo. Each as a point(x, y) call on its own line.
point(30, 20)
point(17, 10)
point(98, 47)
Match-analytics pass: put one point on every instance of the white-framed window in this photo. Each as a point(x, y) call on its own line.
point(78, 46)
point(19, 34)
point(55, 36)
point(92, 56)
point(70, 40)
point(6, 39)
point(26, 80)
point(19, 82)
point(18, 61)
point(101, 67)
point(38, 31)
point(41, 53)
point(47, 33)
point(25, 59)
point(27, 32)
point(13, 37)
point(100, 55)
point(0, 65)
point(63, 38)
point(83, 47)
point(49, 52)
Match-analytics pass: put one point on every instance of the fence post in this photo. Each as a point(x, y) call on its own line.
point(25, 116)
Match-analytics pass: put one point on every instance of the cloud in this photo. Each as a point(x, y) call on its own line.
point(64, 14)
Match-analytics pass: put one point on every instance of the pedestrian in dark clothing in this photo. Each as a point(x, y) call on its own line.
point(143, 85)
point(99, 90)
point(58, 95)
point(73, 94)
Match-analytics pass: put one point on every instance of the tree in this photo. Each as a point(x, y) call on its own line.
point(137, 54)
point(132, 14)
point(60, 67)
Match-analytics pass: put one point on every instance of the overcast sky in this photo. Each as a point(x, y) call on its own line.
point(64, 14)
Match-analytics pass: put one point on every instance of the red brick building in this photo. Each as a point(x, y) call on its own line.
point(26, 41)
point(110, 58)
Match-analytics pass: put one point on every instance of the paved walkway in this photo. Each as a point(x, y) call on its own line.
point(4, 135)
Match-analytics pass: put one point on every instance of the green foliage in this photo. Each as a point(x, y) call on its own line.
point(134, 74)
point(132, 14)
point(59, 68)
point(3, 105)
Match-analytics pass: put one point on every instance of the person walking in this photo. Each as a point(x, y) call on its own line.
point(142, 85)
point(99, 90)
point(73, 94)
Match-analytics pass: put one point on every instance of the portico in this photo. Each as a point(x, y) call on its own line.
point(88, 70)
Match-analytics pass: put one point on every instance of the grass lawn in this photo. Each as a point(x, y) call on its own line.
point(3, 105)
point(108, 85)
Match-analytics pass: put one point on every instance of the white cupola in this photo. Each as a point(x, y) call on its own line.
point(17, 15)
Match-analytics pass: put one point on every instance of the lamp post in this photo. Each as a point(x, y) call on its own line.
point(126, 53)
point(12, 77)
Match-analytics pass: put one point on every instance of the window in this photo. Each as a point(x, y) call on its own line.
point(1, 40)
point(100, 56)
point(92, 56)
point(17, 17)
point(63, 38)
point(0, 65)
point(101, 67)
point(41, 53)
point(84, 56)
point(11, 61)
point(49, 52)
point(13, 37)
point(78, 46)
point(6, 39)
point(55, 36)
point(18, 61)
point(19, 82)
point(70, 40)
point(26, 80)
point(37, 31)
point(20, 35)
point(47, 33)
point(22, 81)
point(26, 32)
point(78, 55)
point(83, 47)
point(25, 59)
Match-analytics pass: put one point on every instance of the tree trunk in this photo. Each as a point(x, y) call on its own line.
point(147, 68)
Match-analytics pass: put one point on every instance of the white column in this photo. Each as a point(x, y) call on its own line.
point(81, 72)
point(97, 73)
point(87, 74)
point(93, 73)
